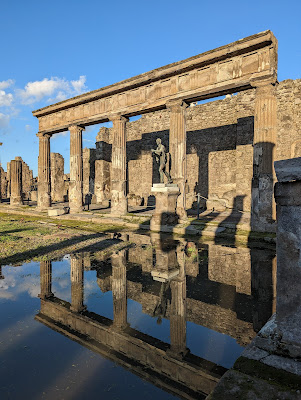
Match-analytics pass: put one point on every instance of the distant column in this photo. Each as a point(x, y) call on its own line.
point(76, 169)
point(177, 148)
point(119, 289)
point(77, 283)
point(119, 204)
point(16, 182)
point(44, 191)
point(265, 130)
point(45, 279)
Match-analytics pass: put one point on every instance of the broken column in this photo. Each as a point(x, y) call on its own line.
point(288, 308)
point(76, 169)
point(45, 279)
point(119, 289)
point(44, 191)
point(16, 182)
point(77, 282)
point(57, 177)
point(102, 185)
point(119, 204)
point(177, 149)
point(265, 129)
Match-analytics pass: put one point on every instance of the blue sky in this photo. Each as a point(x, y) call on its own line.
point(51, 50)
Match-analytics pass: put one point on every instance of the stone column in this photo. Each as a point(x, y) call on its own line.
point(119, 204)
point(119, 289)
point(44, 191)
point(77, 282)
point(8, 179)
point(16, 182)
point(45, 279)
point(178, 309)
point(76, 169)
point(265, 130)
point(177, 149)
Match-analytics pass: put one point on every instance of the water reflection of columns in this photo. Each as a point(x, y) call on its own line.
point(77, 283)
point(178, 308)
point(45, 279)
point(1, 275)
point(119, 289)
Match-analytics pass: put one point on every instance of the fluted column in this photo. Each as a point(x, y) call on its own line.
point(45, 279)
point(119, 204)
point(76, 169)
point(77, 282)
point(44, 190)
point(119, 289)
point(177, 149)
point(178, 309)
point(16, 182)
point(265, 130)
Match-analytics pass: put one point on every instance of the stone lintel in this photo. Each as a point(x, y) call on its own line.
point(288, 170)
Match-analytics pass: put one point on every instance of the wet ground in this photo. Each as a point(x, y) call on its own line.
point(159, 318)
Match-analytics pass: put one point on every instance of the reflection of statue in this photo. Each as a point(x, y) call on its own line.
point(161, 158)
point(161, 306)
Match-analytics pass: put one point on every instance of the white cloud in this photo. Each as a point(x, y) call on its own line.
point(28, 128)
point(79, 85)
point(6, 84)
point(6, 99)
point(4, 120)
point(55, 89)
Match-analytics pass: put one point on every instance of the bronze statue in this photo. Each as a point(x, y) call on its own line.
point(161, 159)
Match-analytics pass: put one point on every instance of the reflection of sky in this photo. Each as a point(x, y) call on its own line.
point(211, 345)
point(56, 367)
point(146, 323)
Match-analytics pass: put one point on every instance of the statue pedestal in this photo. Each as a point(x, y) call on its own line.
point(166, 203)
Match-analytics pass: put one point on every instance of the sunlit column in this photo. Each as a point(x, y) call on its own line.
point(16, 182)
point(44, 189)
point(119, 289)
point(265, 131)
point(119, 204)
point(76, 169)
point(77, 282)
point(177, 148)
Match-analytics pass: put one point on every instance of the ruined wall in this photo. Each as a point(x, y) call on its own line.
point(57, 177)
point(90, 157)
point(3, 183)
point(219, 146)
point(27, 179)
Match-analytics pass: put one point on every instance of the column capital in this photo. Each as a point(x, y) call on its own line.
point(261, 82)
point(76, 129)
point(41, 135)
point(176, 104)
point(118, 117)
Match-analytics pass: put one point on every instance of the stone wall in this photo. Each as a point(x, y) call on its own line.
point(219, 146)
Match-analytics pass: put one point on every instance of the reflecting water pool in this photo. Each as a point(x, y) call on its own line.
point(144, 317)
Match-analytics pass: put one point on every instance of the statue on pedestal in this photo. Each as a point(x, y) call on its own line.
point(161, 159)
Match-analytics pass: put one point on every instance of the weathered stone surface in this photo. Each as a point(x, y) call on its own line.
point(76, 170)
point(57, 177)
point(16, 197)
point(288, 170)
point(166, 205)
point(54, 212)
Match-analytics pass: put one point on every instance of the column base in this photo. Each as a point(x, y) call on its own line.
point(165, 215)
point(119, 204)
point(16, 201)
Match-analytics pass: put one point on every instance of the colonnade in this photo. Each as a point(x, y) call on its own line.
point(264, 148)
